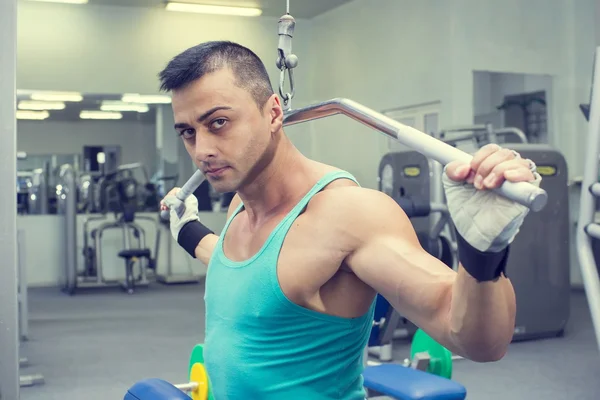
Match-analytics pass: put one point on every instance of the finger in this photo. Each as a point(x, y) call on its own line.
point(173, 191)
point(522, 174)
point(482, 154)
point(458, 171)
point(488, 164)
point(170, 201)
point(498, 174)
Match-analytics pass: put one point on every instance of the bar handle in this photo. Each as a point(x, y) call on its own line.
point(188, 188)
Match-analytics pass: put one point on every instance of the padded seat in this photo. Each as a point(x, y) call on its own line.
point(155, 389)
point(403, 383)
point(131, 253)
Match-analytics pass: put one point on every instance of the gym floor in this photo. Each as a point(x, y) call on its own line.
point(97, 344)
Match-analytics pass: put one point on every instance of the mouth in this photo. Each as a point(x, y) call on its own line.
point(215, 171)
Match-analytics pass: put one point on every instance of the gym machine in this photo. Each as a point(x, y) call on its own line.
point(588, 228)
point(32, 191)
point(67, 206)
point(123, 201)
point(92, 275)
point(539, 261)
point(112, 192)
point(481, 135)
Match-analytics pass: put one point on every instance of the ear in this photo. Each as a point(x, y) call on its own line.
point(275, 112)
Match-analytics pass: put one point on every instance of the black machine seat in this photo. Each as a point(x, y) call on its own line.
point(134, 253)
point(131, 256)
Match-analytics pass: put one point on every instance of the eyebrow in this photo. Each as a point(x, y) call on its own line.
point(204, 116)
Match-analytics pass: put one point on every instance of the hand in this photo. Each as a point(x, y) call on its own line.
point(487, 220)
point(190, 213)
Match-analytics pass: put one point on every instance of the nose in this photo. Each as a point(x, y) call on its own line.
point(205, 147)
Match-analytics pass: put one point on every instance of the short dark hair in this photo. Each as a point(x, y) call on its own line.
point(197, 61)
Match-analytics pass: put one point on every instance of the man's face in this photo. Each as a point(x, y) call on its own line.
point(229, 138)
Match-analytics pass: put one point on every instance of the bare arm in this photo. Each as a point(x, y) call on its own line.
point(205, 248)
point(475, 320)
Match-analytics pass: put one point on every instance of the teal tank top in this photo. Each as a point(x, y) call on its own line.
point(261, 345)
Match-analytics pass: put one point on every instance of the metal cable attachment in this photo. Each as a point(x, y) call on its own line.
point(286, 60)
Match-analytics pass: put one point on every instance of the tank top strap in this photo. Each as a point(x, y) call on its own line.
point(324, 181)
point(281, 231)
point(230, 219)
point(299, 208)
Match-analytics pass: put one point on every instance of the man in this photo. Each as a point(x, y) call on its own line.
point(293, 276)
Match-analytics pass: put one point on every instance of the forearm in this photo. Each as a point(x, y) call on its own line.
point(482, 316)
point(205, 248)
point(482, 310)
point(198, 240)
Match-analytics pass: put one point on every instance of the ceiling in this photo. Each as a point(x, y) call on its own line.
point(273, 8)
point(92, 102)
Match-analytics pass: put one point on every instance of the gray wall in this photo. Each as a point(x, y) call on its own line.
point(413, 52)
point(112, 49)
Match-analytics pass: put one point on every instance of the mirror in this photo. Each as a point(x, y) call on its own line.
point(99, 134)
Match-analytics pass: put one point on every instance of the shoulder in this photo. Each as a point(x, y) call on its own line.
point(359, 212)
point(347, 198)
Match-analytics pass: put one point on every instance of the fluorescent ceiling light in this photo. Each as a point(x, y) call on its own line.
point(145, 99)
point(209, 9)
point(63, 1)
point(41, 105)
point(28, 114)
point(94, 114)
point(57, 96)
point(121, 106)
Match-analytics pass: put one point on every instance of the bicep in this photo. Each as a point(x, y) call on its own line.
point(391, 261)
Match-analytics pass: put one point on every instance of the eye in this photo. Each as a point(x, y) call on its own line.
point(187, 133)
point(218, 123)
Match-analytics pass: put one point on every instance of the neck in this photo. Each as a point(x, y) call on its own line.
point(278, 185)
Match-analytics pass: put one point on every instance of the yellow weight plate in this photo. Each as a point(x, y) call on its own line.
point(198, 375)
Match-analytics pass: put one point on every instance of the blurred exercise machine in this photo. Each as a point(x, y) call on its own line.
point(120, 195)
point(37, 177)
point(539, 260)
point(32, 191)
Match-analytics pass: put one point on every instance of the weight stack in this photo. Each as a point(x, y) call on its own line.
point(539, 261)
